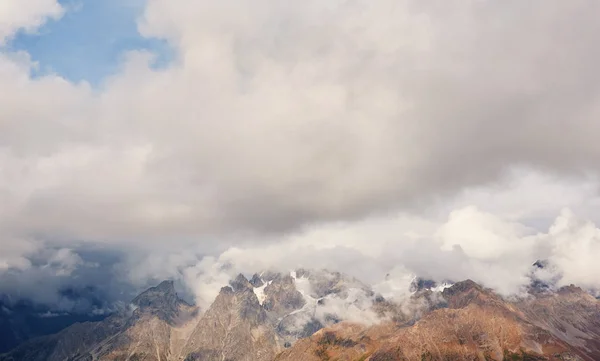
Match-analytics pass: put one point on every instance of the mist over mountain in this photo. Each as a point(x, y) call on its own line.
point(318, 315)
point(197, 141)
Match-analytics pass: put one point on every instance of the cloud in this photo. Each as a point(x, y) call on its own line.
point(354, 135)
point(17, 15)
point(276, 116)
point(64, 261)
point(386, 252)
point(481, 235)
point(64, 280)
point(503, 261)
point(14, 252)
point(574, 246)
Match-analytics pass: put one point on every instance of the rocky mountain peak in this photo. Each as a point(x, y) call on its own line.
point(234, 327)
point(256, 281)
point(462, 287)
point(541, 264)
point(302, 272)
point(282, 297)
point(160, 300)
point(240, 283)
point(475, 321)
point(544, 278)
point(156, 296)
point(467, 293)
point(244, 305)
point(166, 286)
point(572, 290)
point(419, 284)
point(225, 290)
point(461, 294)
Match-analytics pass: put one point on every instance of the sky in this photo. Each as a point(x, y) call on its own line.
point(144, 140)
point(88, 41)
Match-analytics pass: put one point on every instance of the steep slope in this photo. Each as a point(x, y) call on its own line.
point(141, 334)
point(235, 327)
point(249, 320)
point(477, 325)
point(160, 326)
point(147, 332)
point(570, 314)
point(302, 302)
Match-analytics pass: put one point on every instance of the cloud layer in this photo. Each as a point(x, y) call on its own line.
point(298, 132)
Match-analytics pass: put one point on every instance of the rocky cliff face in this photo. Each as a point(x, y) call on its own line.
point(235, 327)
point(318, 315)
point(160, 326)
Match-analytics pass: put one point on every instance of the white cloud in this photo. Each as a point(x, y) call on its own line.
point(16, 251)
point(503, 261)
point(574, 249)
point(206, 278)
point(274, 116)
point(25, 15)
point(482, 235)
point(396, 285)
point(336, 134)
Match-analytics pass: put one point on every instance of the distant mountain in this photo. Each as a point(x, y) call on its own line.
point(23, 320)
point(320, 315)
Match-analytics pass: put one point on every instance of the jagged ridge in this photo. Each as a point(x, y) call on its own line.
point(262, 318)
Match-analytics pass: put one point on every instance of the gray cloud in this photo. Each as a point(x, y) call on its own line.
point(276, 116)
point(276, 120)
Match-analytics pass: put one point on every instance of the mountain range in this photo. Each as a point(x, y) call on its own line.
point(325, 316)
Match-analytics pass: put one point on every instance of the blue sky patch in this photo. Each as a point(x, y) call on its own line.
point(89, 41)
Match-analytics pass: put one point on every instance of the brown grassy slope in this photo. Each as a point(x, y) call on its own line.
point(477, 325)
